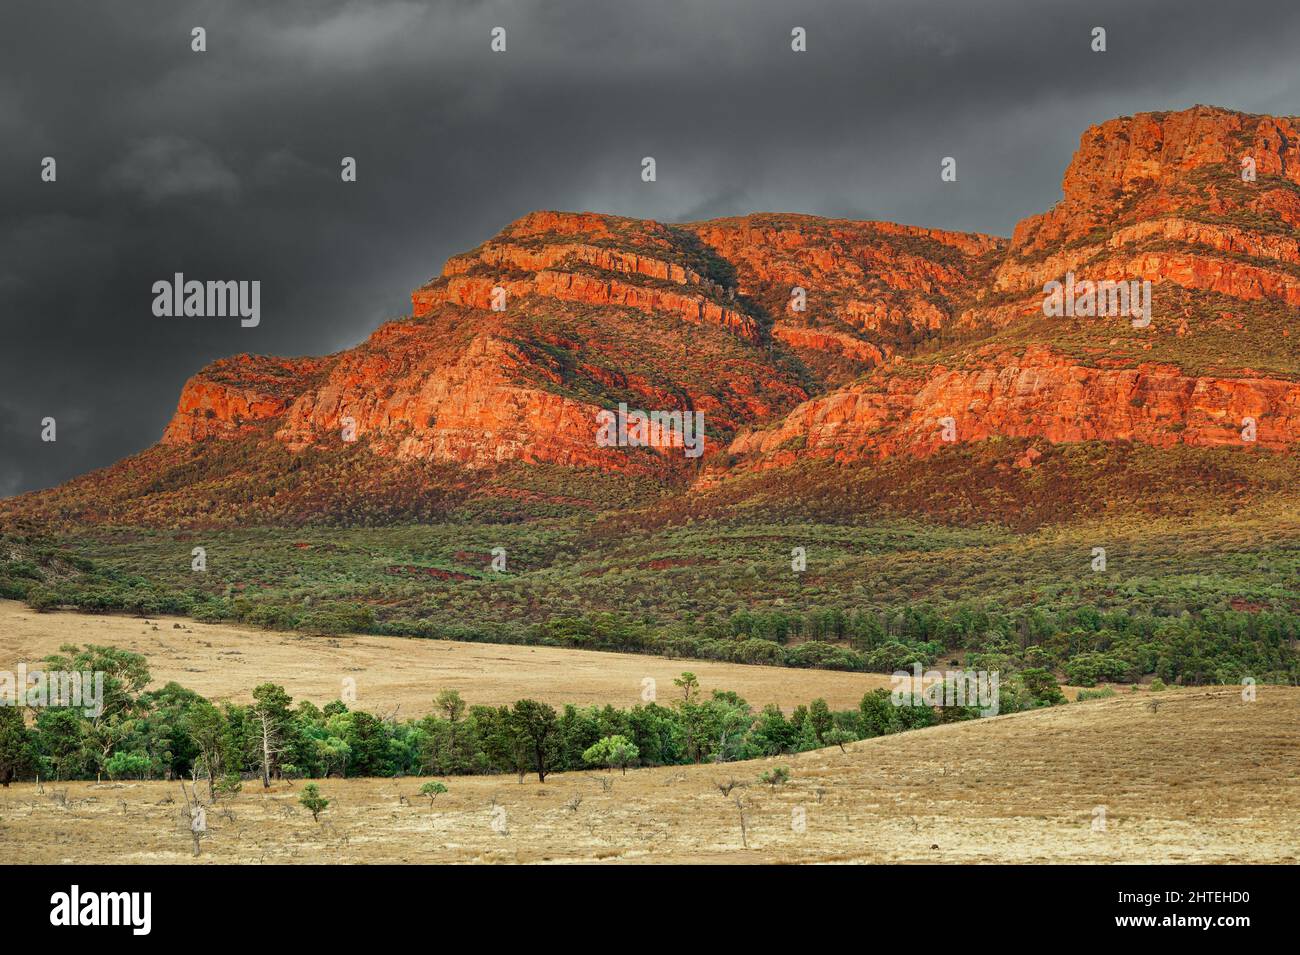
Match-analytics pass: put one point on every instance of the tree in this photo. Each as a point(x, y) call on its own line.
point(1042, 686)
point(729, 719)
point(536, 724)
point(171, 750)
point(123, 765)
point(367, 742)
point(17, 746)
point(207, 728)
point(312, 801)
point(838, 737)
point(61, 741)
point(448, 745)
point(877, 714)
point(773, 734)
point(126, 674)
point(272, 720)
point(688, 684)
point(611, 751)
point(819, 714)
point(505, 746)
point(452, 706)
point(433, 791)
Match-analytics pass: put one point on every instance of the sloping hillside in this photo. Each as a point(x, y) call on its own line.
point(1167, 782)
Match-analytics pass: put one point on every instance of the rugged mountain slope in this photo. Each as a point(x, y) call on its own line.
point(507, 359)
point(488, 394)
point(594, 310)
point(870, 289)
point(1156, 197)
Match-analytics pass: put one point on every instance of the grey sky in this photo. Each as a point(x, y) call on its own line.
point(225, 164)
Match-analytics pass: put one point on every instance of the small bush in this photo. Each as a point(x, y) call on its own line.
point(1098, 694)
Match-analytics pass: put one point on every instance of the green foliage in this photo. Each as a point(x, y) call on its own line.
point(432, 791)
point(311, 801)
point(173, 732)
point(839, 737)
point(123, 765)
point(1197, 601)
point(1042, 686)
point(776, 776)
point(611, 751)
point(534, 726)
point(17, 746)
point(1099, 694)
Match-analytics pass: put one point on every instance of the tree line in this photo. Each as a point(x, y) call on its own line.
point(173, 732)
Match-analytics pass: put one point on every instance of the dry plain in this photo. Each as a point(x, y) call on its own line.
point(1200, 776)
point(1205, 777)
point(223, 661)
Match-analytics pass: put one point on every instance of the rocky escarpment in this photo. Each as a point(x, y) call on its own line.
point(870, 289)
point(234, 395)
point(644, 271)
point(1141, 167)
point(799, 337)
point(1157, 197)
point(596, 311)
point(1035, 394)
point(1161, 197)
point(515, 347)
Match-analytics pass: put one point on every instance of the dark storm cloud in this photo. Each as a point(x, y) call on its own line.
point(225, 164)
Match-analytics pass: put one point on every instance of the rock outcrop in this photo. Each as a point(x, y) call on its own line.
point(1157, 197)
point(1035, 394)
point(898, 337)
point(869, 288)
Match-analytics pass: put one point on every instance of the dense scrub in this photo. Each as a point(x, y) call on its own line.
point(1193, 604)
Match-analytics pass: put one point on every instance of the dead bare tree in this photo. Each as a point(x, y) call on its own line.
point(194, 816)
point(268, 728)
point(743, 809)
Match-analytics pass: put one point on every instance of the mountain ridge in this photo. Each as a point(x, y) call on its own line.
point(801, 336)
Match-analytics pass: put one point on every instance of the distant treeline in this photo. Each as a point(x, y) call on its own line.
point(174, 732)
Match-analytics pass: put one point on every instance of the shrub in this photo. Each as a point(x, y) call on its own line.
point(41, 600)
point(312, 801)
point(611, 751)
point(1042, 686)
point(776, 776)
point(127, 765)
point(1098, 694)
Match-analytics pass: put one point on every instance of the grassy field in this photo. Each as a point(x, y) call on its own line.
point(402, 674)
point(1203, 777)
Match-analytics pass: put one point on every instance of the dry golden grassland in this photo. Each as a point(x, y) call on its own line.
point(224, 661)
point(1205, 777)
point(1186, 775)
